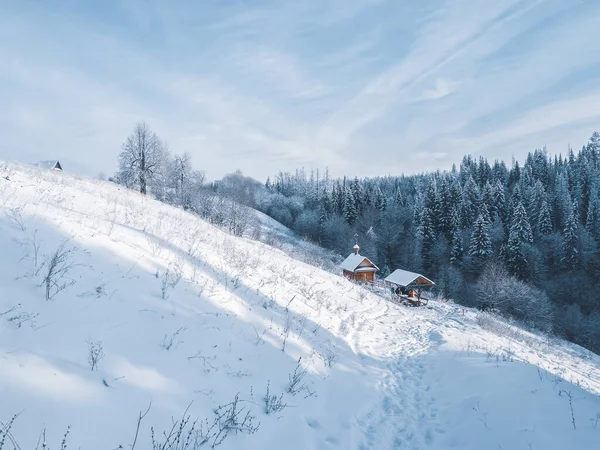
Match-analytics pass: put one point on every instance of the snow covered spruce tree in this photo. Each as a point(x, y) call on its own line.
point(516, 263)
point(481, 244)
point(570, 243)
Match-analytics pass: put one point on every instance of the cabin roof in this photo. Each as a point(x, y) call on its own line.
point(405, 278)
point(50, 164)
point(354, 260)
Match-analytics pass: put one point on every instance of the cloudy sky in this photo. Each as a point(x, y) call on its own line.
point(364, 87)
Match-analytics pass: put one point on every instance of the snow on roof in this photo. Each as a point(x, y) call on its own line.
point(404, 278)
point(353, 261)
point(50, 164)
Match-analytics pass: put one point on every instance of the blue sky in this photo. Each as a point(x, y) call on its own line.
point(365, 87)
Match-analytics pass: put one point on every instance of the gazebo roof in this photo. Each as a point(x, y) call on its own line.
point(405, 278)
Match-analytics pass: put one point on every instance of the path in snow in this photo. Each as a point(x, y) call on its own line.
point(405, 416)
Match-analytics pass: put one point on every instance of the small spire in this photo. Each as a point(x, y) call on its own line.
point(356, 248)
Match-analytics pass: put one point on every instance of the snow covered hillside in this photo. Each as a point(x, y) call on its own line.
point(150, 309)
point(281, 237)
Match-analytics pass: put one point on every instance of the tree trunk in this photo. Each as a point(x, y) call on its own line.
point(143, 169)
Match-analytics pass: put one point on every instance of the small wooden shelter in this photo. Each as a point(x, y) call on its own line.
point(408, 284)
point(359, 268)
point(52, 165)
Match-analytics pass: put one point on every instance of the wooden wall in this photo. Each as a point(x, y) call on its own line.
point(360, 276)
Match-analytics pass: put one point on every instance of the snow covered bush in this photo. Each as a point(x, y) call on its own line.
point(58, 265)
point(170, 278)
point(231, 418)
point(497, 290)
point(173, 341)
point(15, 217)
point(273, 404)
point(296, 383)
point(95, 353)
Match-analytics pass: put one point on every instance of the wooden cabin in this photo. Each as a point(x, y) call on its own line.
point(408, 284)
point(359, 268)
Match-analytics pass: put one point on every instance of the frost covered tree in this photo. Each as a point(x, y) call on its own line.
point(426, 235)
point(516, 263)
point(592, 223)
point(570, 243)
point(180, 177)
point(520, 226)
point(456, 254)
point(470, 202)
point(141, 158)
point(500, 199)
point(488, 199)
point(380, 201)
point(398, 197)
point(349, 206)
point(544, 223)
point(481, 244)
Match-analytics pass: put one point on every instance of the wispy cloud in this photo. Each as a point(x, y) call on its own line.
point(275, 85)
point(441, 88)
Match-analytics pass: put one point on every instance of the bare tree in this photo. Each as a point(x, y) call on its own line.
point(180, 175)
point(140, 158)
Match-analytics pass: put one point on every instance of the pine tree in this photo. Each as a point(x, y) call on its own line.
point(433, 204)
point(497, 233)
point(456, 253)
point(592, 223)
point(446, 209)
point(358, 195)
point(426, 234)
point(520, 224)
point(325, 207)
point(516, 263)
point(537, 197)
point(515, 198)
point(399, 198)
point(499, 199)
point(380, 202)
point(481, 244)
point(488, 199)
point(593, 148)
point(470, 202)
point(544, 224)
point(455, 223)
point(570, 242)
point(337, 199)
point(349, 207)
point(483, 212)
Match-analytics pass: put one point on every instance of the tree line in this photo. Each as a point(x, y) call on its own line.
point(522, 240)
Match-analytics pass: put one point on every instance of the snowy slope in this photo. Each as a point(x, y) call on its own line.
point(379, 375)
point(279, 236)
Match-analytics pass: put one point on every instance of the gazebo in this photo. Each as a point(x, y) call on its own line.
point(408, 284)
